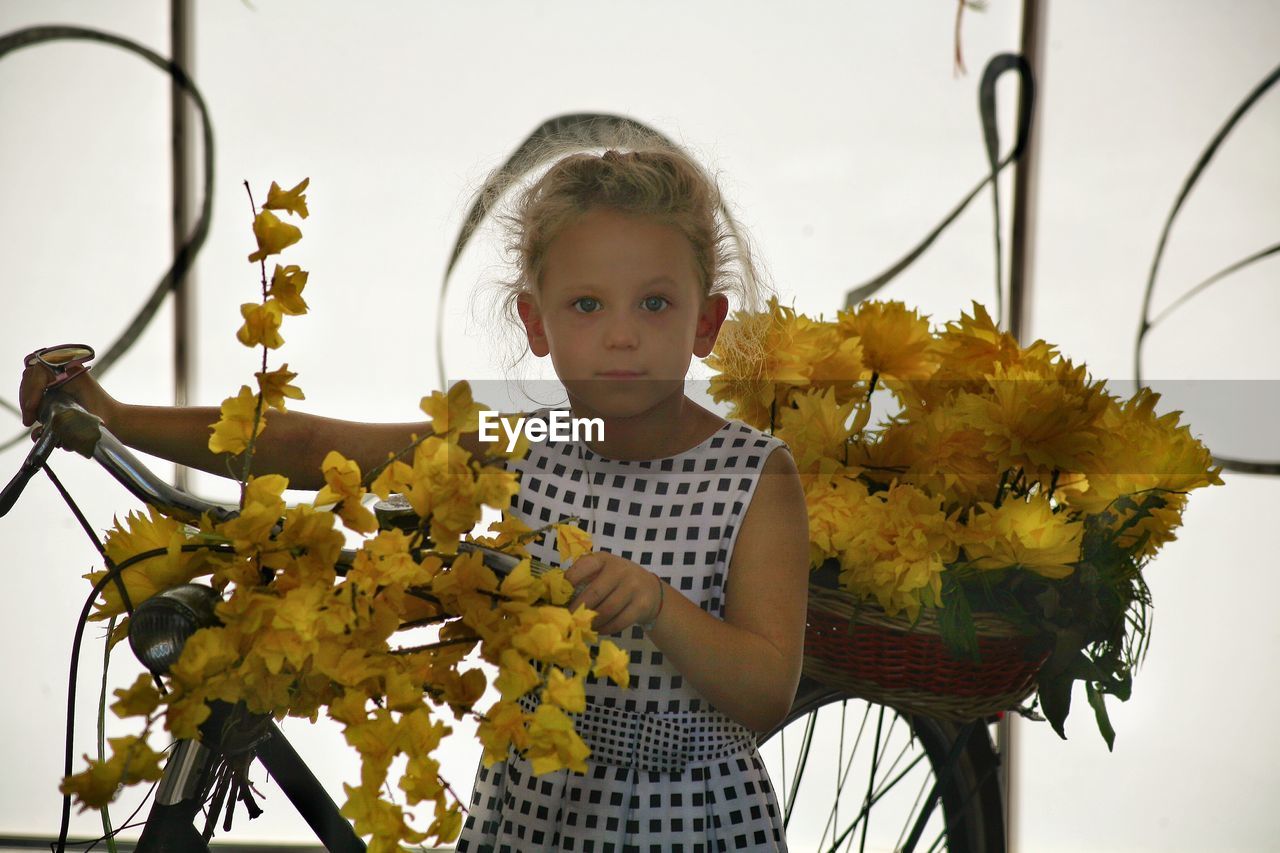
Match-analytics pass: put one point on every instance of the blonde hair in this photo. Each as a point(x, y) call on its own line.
point(637, 173)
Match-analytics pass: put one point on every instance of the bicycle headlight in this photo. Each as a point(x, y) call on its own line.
point(161, 625)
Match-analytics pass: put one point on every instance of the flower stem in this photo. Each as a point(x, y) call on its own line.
point(257, 409)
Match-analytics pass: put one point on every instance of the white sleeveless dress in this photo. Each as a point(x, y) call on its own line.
point(668, 772)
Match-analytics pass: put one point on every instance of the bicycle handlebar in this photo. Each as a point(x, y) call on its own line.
point(67, 424)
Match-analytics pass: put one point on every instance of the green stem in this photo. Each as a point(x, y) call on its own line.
point(257, 409)
point(107, 832)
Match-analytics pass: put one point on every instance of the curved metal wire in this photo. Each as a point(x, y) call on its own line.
point(1147, 322)
point(186, 253)
point(999, 65)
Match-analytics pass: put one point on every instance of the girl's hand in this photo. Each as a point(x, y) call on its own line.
point(622, 593)
point(84, 389)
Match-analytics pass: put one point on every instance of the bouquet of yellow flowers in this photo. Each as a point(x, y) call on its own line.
point(302, 633)
point(998, 479)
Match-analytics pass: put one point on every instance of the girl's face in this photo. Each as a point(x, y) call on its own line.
point(620, 309)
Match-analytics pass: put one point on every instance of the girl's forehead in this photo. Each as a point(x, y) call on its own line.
point(611, 246)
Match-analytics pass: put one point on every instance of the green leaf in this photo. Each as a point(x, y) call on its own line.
point(1055, 700)
point(955, 623)
point(1098, 701)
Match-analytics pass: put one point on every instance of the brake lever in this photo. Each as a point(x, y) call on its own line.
point(34, 462)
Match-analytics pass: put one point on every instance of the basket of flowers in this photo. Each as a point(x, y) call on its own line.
point(985, 537)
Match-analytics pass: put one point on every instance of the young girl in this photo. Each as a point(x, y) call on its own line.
point(698, 524)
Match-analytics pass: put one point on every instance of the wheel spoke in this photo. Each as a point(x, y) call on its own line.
point(810, 726)
point(933, 784)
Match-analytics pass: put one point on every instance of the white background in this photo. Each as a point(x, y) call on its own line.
point(841, 135)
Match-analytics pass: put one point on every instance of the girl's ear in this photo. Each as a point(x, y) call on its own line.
point(527, 308)
point(714, 310)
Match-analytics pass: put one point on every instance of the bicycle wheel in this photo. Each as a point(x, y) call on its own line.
point(853, 775)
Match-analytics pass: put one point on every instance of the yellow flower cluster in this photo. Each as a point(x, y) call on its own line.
point(305, 630)
point(994, 457)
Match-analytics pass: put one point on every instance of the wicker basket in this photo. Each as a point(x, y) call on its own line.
point(855, 646)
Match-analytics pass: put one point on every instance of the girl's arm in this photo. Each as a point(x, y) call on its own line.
point(294, 444)
point(747, 665)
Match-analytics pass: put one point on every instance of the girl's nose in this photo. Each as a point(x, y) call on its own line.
point(621, 333)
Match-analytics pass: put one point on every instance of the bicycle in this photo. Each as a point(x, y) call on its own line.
point(957, 804)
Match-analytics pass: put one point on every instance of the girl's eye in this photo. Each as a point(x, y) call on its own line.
point(586, 304)
point(654, 303)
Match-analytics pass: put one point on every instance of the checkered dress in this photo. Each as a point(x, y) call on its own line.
point(668, 772)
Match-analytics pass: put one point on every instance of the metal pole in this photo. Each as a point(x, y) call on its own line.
point(1021, 263)
point(182, 151)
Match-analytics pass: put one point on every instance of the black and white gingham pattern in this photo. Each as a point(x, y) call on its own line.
point(698, 785)
point(666, 743)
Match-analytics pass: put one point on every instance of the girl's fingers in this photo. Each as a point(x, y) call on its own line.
point(30, 391)
point(612, 607)
point(596, 593)
point(583, 569)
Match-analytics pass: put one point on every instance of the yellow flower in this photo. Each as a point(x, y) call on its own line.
point(234, 430)
point(1023, 534)
point(371, 815)
point(612, 662)
point(261, 324)
point(565, 692)
point(572, 542)
point(310, 534)
point(294, 200)
point(495, 486)
point(275, 385)
point(453, 412)
point(385, 560)
point(421, 779)
point(273, 235)
point(342, 484)
point(1038, 421)
point(138, 700)
point(511, 534)
point(968, 352)
point(502, 727)
point(761, 357)
point(950, 457)
point(131, 761)
point(286, 288)
point(1139, 451)
point(896, 342)
point(184, 715)
point(93, 787)
point(900, 542)
point(447, 824)
point(815, 427)
point(839, 367)
point(395, 477)
point(144, 579)
point(467, 574)
point(520, 584)
point(263, 506)
point(207, 652)
point(553, 743)
point(420, 733)
point(558, 590)
point(831, 498)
